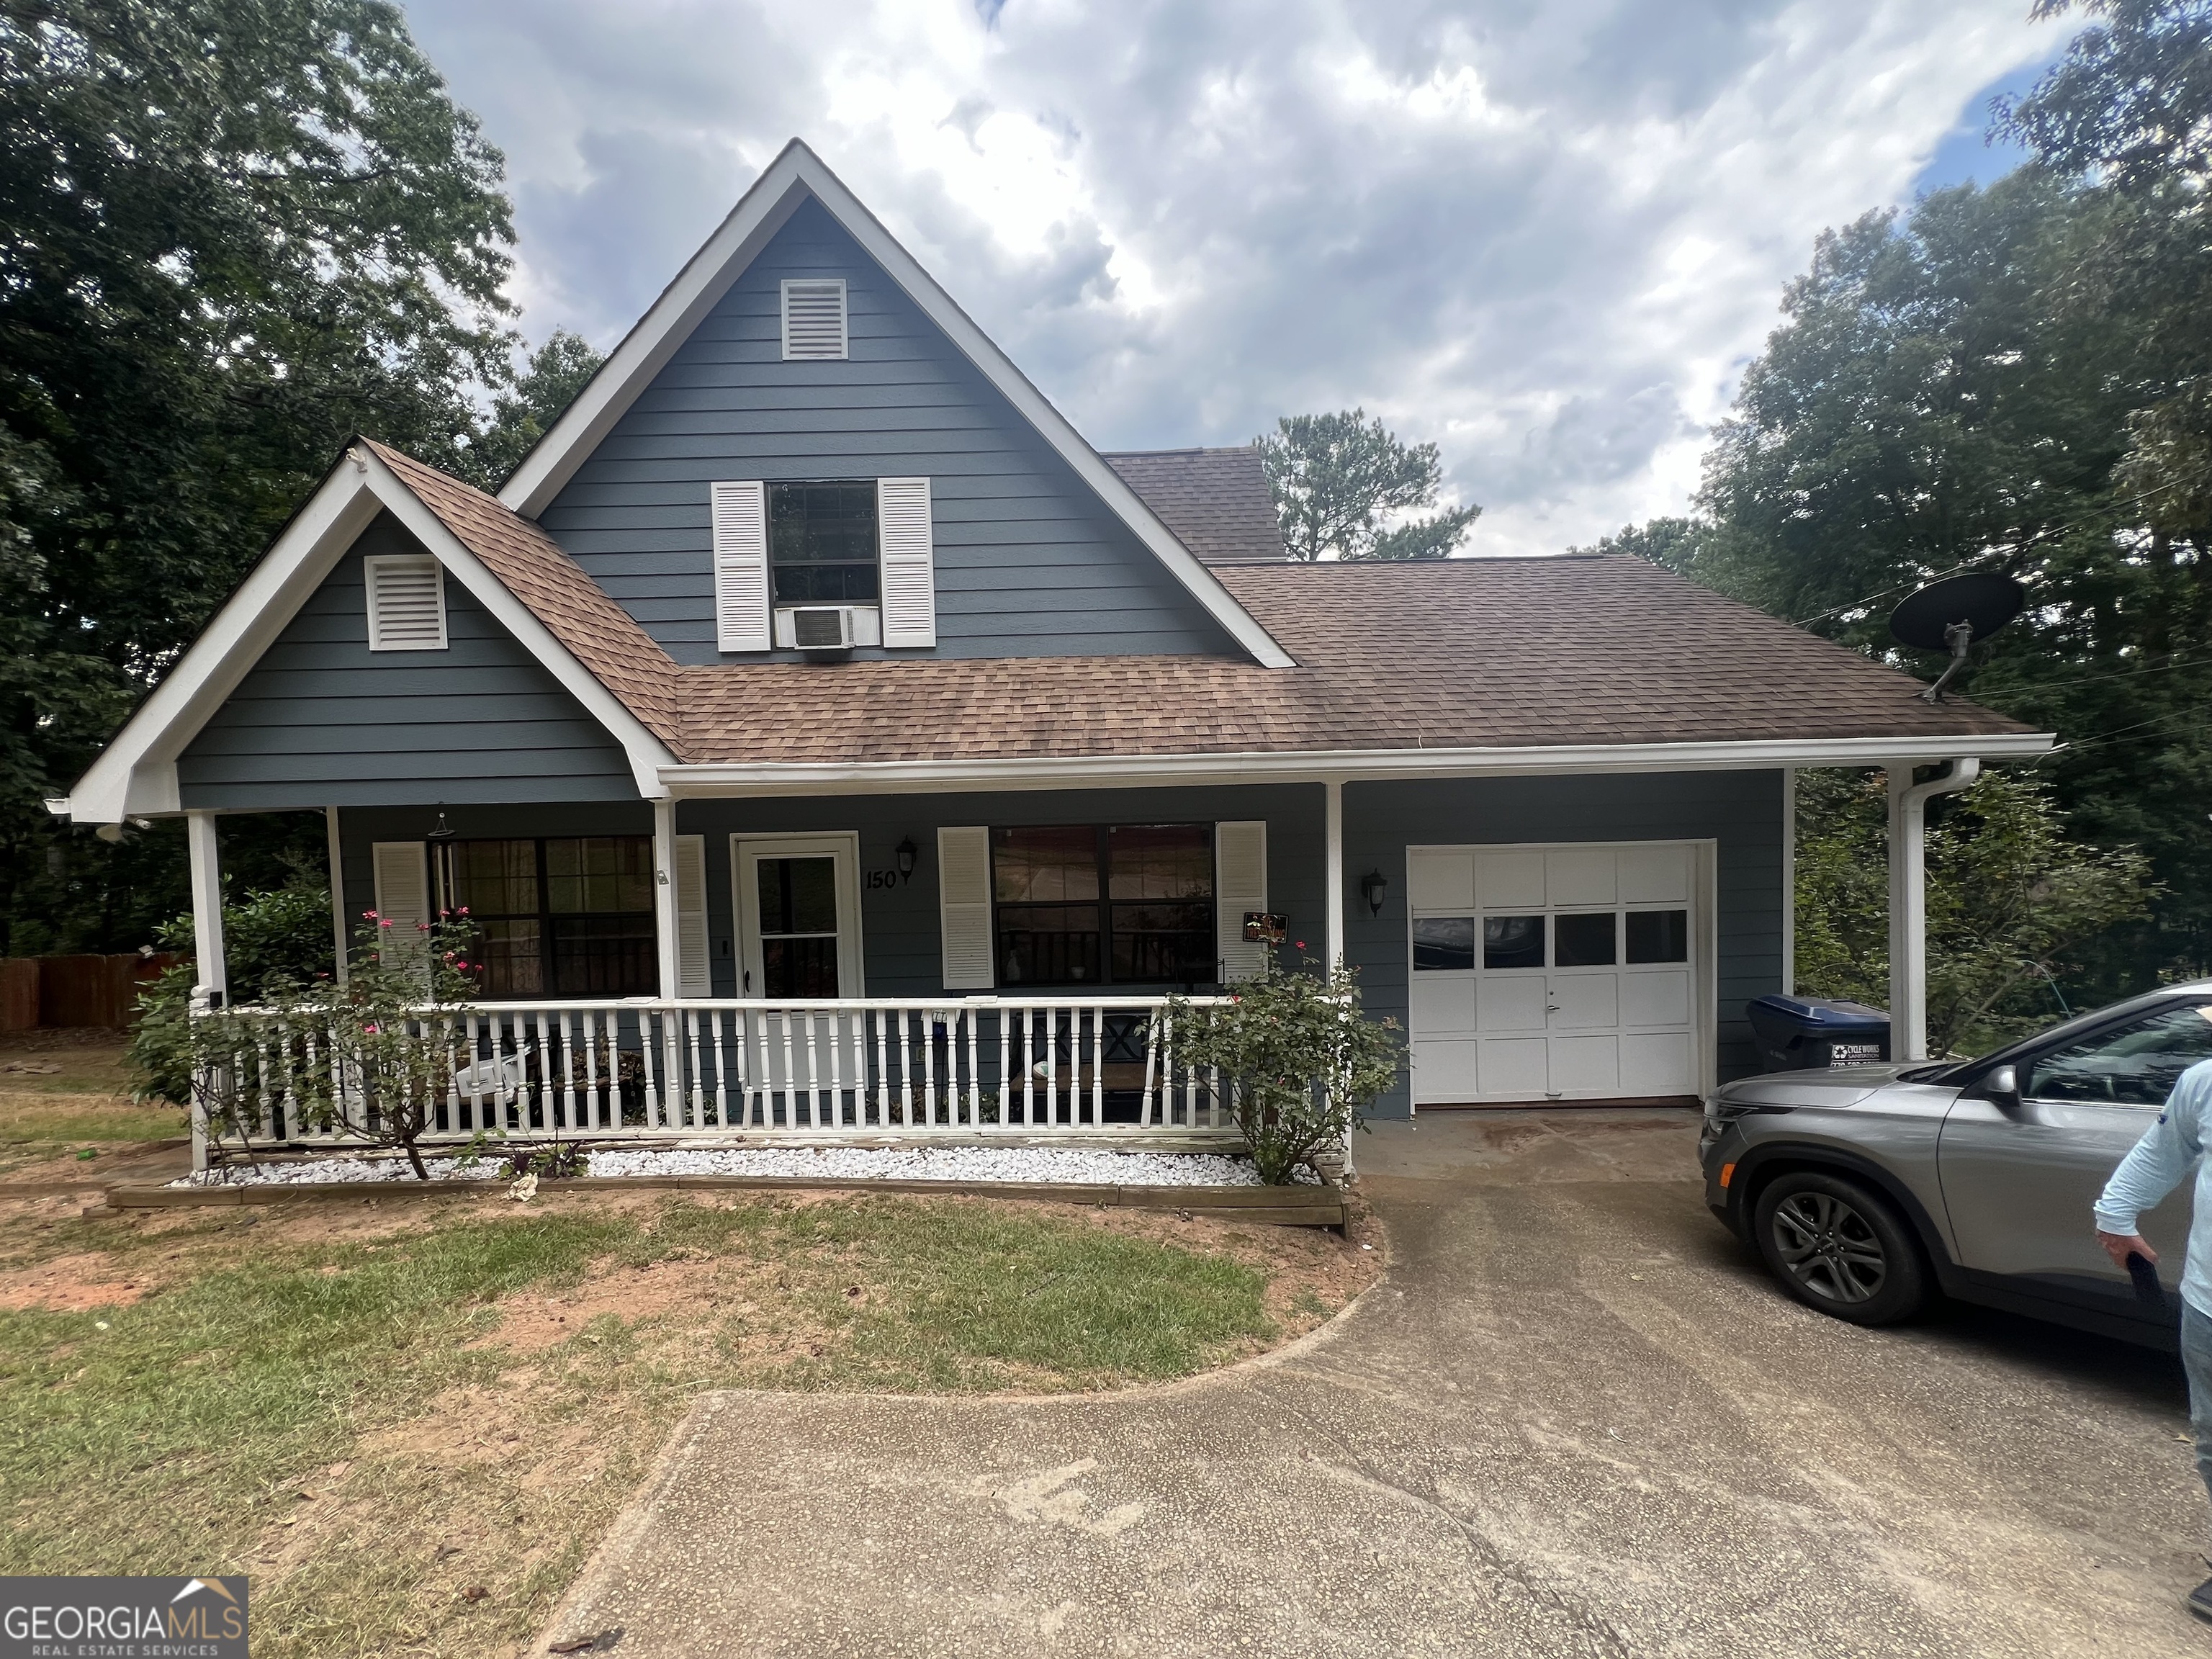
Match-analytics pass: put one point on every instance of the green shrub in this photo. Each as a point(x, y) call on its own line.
point(1298, 1060)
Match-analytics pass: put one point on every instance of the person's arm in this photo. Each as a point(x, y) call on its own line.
point(2169, 1149)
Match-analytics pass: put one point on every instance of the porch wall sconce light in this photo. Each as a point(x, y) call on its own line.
point(1372, 887)
point(906, 853)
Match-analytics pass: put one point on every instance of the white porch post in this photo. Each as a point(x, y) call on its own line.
point(664, 895)
point(338, 895)
point(1333, 835)
point(207, 908)
point(1908, 902)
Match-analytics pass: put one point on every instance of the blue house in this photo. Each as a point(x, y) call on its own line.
point(816, 720)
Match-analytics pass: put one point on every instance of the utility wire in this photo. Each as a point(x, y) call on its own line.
point(2020, 546)
point(2197, 661)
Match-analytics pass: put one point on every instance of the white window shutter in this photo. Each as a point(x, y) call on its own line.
point(406, 603)
point(909, 577)
point(403, 897)
point(694, 972)
point(963, 907)
point(814, 312)
point(1240, 883)
point(741, 609)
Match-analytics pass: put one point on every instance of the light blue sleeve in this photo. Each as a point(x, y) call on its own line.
point(2162, 1159)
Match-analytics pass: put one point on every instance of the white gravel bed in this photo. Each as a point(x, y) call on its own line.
point(1074, 1165)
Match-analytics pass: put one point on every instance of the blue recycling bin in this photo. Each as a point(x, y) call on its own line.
point(1799, 1034)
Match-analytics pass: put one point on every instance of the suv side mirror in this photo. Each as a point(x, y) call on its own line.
point(2002, 1087)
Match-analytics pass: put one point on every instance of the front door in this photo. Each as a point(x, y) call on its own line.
point(1554, 973)
point(798, 916)
point(2019, 1181)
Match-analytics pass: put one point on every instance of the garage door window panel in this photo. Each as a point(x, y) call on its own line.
point(1583, 940)
point(1658, 936)
point(1443, 945)
point(1512, 942)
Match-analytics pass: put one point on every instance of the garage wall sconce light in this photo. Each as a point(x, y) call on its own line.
point(1373, 886)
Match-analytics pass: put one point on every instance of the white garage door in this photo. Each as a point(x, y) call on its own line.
point(1554, 973)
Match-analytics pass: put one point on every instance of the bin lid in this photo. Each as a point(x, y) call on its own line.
point(1825, 1014)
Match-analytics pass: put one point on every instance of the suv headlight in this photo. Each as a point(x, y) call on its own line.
point(1721, 1111)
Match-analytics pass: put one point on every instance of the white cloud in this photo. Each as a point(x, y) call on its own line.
point(1545, 236)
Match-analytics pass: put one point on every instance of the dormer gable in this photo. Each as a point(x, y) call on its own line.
point(913, 489)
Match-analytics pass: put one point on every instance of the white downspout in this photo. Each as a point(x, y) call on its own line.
point(1908, 901)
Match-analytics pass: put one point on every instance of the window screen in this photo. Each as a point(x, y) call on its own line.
point(822, 542)
point(559, 916)
point(1085, 904)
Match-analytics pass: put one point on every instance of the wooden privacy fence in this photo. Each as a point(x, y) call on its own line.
point(38, 991)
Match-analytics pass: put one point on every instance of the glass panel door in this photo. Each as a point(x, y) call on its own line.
point(797, 901)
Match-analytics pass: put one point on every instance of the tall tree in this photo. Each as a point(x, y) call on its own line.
point(232, 233)
point(2004, 380)
point(547, 383)
point(1338, 480)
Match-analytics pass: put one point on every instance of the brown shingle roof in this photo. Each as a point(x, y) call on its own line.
point(599, 633)
point(1453, 653)
point(1216, 501)
point(1443, 654)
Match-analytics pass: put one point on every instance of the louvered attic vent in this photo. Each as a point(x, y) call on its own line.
point(814, 319)
point(406, 604)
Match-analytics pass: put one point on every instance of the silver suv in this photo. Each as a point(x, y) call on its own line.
point(1868, 1187)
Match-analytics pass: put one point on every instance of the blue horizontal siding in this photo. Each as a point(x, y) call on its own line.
point(321, 720)
point(1029, 561)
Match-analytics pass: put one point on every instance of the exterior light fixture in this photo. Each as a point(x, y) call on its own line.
point(906, 853)
point(1372, 887)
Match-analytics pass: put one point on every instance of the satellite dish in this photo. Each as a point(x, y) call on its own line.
point(1952, 615)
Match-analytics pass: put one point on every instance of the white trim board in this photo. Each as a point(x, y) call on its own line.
point(136, 774)
point(794, 175)
point(1318, 766)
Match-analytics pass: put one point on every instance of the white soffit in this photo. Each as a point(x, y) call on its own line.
point(135, 772)
point(796, 173)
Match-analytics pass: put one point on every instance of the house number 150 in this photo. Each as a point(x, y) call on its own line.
point(885, 879)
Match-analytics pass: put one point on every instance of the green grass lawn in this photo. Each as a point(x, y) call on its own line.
point(63, 1093)
point(374, 1413)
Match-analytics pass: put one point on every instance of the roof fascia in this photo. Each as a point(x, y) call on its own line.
point(648, 756)
point(1341, 766)
point(136, 775)
point(795, 173)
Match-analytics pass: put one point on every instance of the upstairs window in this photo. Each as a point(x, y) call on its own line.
point(406, 603)
point(566, 916)
point(1129, 904)
point(822, 542)
point(814, 319)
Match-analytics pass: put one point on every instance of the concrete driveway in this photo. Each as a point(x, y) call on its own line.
point(1574, 1419)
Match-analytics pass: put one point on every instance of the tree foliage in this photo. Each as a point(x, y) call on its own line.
point(2012, 901)
point(1339, 482)
point(2016, 379)
point(232, 233)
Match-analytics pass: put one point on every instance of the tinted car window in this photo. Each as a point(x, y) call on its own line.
point(2133, 1064)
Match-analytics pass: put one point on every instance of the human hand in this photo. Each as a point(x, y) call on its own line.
point(2120, 1246)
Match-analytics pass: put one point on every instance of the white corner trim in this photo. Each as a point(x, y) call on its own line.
point(796, 173)
point(136, 774)
point(1312, 766)
point(646, 754)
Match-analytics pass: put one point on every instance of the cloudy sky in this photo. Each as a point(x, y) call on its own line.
point(1546, 234)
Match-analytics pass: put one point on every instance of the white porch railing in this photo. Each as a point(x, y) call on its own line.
point(1091, 1069)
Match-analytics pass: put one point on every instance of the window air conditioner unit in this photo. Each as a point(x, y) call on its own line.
point(822, 627)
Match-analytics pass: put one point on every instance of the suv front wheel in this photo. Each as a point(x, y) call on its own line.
point(1838, 1247)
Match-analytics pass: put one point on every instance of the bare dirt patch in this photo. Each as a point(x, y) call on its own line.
point(69, 1284)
